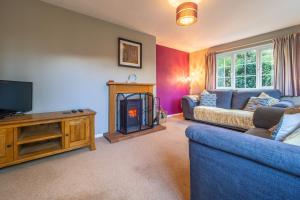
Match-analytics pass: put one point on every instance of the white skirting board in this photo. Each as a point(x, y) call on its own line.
point(173, 115)
point(99, 135)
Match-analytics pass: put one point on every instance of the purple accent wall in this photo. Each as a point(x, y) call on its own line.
point(172, 66)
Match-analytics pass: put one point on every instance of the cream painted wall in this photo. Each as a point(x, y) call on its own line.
point(197, 59)
point(69, 57)
point(197, 71)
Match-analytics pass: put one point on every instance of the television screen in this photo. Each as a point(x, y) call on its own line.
point(15, 96)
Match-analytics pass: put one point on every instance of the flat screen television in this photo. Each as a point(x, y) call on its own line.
point(15, 97)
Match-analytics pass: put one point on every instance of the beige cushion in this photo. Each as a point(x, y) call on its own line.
point(227, 117)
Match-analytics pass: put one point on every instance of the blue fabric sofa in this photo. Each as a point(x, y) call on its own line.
point(230, 99)
point(231, 165)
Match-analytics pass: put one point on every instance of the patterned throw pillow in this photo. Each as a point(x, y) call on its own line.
point(289, 123)
point(207, 99)
point(271, 100)
point(256, 102)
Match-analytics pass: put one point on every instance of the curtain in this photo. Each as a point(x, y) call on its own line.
point(287, 71)
point(210, 61)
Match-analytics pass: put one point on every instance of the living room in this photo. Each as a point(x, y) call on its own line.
point(167, 99)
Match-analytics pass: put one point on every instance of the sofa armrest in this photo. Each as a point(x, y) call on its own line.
point(270, 153)
point(267, 117)
point(189, 102)
point(284, 104)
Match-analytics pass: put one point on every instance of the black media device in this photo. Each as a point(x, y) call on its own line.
point(15, 97)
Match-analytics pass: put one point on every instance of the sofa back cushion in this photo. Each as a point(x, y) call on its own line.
point(240, 98)
point(224, 98)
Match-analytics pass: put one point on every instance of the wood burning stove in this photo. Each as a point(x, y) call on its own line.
point(135, 112)
point(130, 115)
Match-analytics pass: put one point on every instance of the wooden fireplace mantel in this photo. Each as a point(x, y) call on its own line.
point(115, 88)
point(130, 84)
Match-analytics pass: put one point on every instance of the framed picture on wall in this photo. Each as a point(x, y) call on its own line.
point(130, 53)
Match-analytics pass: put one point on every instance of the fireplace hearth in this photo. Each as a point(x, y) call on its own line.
point(134, 112)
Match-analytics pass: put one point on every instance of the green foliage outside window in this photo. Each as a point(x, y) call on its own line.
point(239, 70)
point(245, 69)
point(224, 66)
point(267, 67)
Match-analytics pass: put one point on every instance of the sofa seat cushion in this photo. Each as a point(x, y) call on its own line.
point(260, 132)
point(225, 117)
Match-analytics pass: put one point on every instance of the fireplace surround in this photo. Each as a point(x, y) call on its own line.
point(114, 88)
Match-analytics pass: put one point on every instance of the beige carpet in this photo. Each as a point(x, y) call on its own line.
point(150, 167)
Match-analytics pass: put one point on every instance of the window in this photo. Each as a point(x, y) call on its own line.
point(246, 69)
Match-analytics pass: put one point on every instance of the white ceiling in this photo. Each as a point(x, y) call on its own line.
point(219, 21)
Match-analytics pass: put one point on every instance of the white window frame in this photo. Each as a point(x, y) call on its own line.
point(232, 54)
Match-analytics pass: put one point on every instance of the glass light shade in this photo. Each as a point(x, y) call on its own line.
point(186, 14)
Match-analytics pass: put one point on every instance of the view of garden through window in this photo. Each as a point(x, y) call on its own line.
point(251, 68)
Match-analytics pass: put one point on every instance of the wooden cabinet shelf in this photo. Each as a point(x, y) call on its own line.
point(39, 137)
point(29, 137)
point(40, 132)
point(32, 149)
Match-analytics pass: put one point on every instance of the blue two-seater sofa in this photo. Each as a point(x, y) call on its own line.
point(231, 165)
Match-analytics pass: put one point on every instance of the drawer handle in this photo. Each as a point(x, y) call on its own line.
point(8, 146)
point(67, 135)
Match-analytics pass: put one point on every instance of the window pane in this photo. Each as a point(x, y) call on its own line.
point(267, 80)
point(240, 82)
point(251, 56)
point(240, 70)
point(240, 59)
point(228, 61)
point(267, 68)
point(267, 55)
point(227, 72)
point(228, 82)
point(220, 62)
point(251, 69)
point(221, 72)
point(251, 82)
point(221, 82)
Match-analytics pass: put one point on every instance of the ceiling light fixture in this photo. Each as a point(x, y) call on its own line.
point(186, 13)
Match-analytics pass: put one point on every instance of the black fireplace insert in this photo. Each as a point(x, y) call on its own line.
point(134, 112)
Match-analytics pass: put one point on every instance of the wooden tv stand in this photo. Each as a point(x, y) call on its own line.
point(33, 136)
